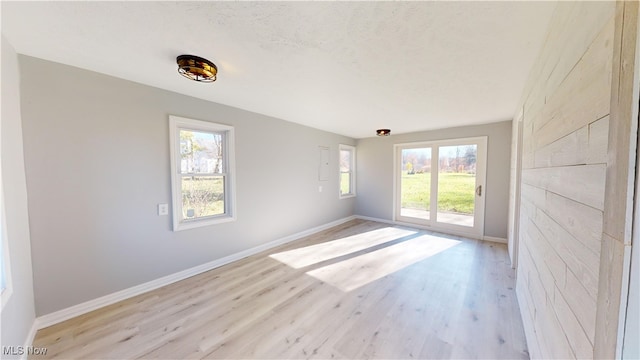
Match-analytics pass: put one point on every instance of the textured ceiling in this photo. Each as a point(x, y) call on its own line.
point(344, 67)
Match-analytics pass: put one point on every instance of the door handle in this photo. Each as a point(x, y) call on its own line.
point(479, 190)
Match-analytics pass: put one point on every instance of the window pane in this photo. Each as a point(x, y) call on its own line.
point(345, 160)
point(202, 196)
point(415, 183)
point(345, 183)
point(456, 184)
point(200, 152)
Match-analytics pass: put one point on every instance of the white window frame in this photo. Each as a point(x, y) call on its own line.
point(352, 171)
point(176, 124)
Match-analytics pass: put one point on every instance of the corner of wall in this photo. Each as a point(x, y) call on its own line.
point(18, 314)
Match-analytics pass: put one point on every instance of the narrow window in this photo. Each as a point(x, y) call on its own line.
point(347, 171)
point(202, 173)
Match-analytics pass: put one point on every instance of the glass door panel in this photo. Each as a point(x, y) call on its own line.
point(415, 183)
point(439, 184)
point(457, 184)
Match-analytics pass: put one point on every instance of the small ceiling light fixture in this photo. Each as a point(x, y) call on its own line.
point(383, 132)
point(197, 68)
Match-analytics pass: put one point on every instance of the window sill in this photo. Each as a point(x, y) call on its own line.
point(347, 196)
point(204, 222)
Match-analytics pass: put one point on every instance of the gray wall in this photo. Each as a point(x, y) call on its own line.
point(375, 172)
point(18, 315)
point(97, 164)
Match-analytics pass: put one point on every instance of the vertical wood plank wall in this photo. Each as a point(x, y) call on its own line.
point(565, 111)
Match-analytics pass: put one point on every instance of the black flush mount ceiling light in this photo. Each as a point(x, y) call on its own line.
point(197, 68)
point(383, 132)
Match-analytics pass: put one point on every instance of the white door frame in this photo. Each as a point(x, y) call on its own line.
point(514, 206)
point(477, 231)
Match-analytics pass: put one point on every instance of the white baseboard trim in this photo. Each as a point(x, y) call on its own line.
point(495, 239)
point(450, 232)
point(28, 342)
point(369, 218)
point(85, 307)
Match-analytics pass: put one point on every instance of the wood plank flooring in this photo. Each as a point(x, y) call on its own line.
point(359, 290)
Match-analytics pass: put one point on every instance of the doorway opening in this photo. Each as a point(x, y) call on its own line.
point(441, 184)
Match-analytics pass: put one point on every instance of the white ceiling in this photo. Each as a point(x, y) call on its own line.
point(344, 67)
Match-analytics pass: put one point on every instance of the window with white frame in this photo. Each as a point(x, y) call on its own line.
point(347, 171)
point(202, 173)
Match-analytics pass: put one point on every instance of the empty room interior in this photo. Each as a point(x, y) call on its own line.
point(294, 180)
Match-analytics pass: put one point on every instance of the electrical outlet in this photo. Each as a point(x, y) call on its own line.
point(163, 209)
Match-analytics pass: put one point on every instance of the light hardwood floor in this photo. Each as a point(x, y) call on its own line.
point(359, 290)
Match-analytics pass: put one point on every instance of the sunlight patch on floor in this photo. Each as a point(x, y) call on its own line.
point(361, 270)
point(314, 254)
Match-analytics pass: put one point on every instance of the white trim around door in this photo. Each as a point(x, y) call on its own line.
point(430, 168)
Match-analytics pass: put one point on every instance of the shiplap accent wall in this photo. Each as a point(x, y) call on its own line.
point(615, 252)
point(565, 113)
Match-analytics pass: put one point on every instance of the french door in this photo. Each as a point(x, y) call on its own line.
point(441, 184)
